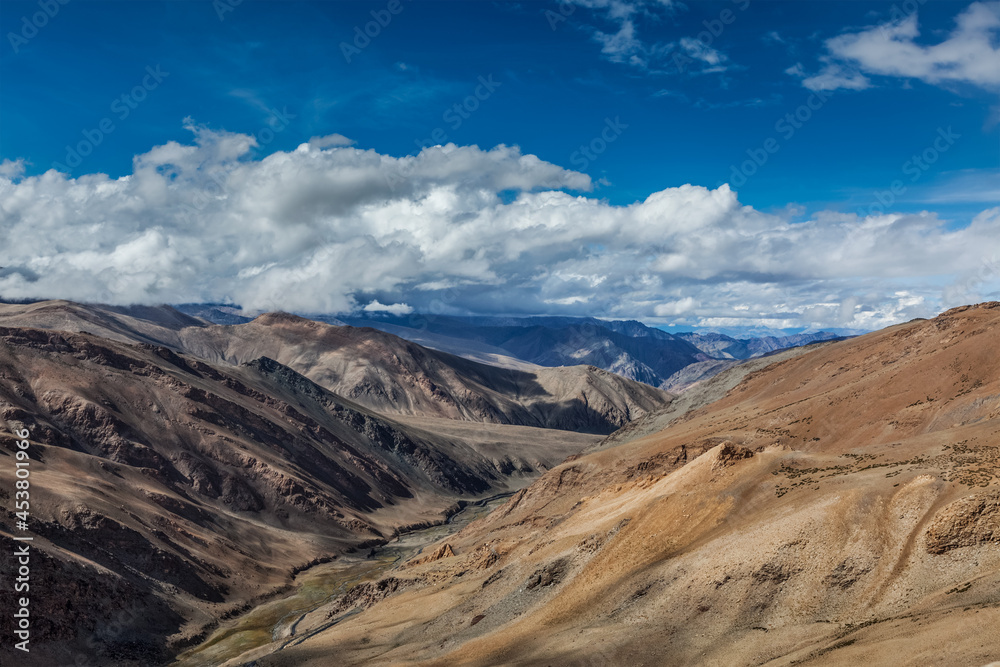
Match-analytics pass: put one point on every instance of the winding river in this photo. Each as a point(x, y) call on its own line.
point(300, 614)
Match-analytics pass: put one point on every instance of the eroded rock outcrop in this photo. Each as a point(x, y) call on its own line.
point(443, 551)
point(964, 523)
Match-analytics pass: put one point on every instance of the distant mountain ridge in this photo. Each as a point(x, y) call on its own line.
point(378, 370)
point(721, 346)
point(627, 348)
point(672, 362)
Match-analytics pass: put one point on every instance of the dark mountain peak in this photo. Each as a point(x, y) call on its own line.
point(265, 365)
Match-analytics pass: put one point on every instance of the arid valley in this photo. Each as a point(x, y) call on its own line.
point(253, 494)
point(548, 333)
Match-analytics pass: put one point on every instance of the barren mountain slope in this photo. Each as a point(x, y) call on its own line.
point(699, 395)
point(378, 370)
point(462, 347)
point(137, 324)
point(394, 376)
point(182, 489)
point(835, 508)
point(721, 346)
point(629, 349)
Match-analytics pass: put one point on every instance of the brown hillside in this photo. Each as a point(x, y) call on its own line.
point(394, 376)
point(183, 489)
point(375, 369)
point(835, 508)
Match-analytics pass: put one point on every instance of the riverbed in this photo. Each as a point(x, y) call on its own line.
point(301, 613)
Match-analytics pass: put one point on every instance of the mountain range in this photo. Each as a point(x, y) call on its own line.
point(627, 348)
point(831, 505)
point(189, 468)
point(244, 493)
point(672, 362)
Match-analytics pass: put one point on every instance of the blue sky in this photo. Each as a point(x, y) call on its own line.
point(640, 96)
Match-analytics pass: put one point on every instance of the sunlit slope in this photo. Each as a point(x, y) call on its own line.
point(834, 508)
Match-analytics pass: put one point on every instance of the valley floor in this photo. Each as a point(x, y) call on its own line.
point(838, 507)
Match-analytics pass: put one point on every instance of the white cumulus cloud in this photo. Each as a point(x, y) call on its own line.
point(970, 54)
point(392, 308)
point(338, 229)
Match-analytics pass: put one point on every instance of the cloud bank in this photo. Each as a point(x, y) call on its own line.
point(969, 55)
point(329, 227)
